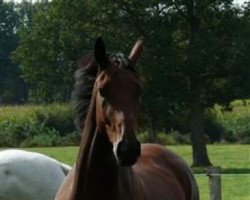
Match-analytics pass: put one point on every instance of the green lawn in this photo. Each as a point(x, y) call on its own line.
point(234, 160)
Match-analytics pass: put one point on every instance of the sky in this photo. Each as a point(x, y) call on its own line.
point(236, 1)
point(240, 1)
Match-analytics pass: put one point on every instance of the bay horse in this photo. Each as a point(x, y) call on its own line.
point(112, 164)
point(26, 175)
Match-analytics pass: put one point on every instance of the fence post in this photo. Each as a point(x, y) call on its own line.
point(214, 174)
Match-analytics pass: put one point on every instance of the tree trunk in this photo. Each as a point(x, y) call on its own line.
point(200, 156)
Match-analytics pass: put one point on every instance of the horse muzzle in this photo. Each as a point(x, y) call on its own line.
point(128, 153)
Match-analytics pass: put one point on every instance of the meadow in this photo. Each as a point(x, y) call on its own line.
point(234, 160)
point(52, 125)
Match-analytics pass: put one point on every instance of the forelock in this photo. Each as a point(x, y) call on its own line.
point(120, 59)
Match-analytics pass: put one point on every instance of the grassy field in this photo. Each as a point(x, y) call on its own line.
point(234, 160)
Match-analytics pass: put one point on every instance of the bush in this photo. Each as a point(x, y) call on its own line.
point(13, 132)
point(44, 140)
point(28, 126)
point(181, 138)
point(171, 138)
point(221, 125)
point(52, 125)
point(56, 116)
point(213, 129)
point(236, 122)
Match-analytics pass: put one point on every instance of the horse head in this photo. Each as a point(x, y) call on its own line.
point(117, 100)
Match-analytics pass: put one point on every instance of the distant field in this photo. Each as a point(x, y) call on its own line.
point(234, 160)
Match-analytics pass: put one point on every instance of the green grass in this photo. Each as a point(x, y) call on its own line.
point(232, 158)
point(66, 155)
point(234, 187)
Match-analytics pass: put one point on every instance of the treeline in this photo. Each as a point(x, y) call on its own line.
point(196, 54)
point(13, 89)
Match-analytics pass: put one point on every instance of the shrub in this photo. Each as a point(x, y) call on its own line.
point(27, 126)
point(13, 132)
point(162, 138)
point(56, 116)
point(71, 139)
point(41, 140)
point(52, 125)
point(181, 138)
point(213, 129)
point(235, 123)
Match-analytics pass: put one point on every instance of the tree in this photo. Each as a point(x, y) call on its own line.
point(59, 34)
point(195, 49)
point(192, 60)
point(209, 65)
point(12, 87)
point(148, 19)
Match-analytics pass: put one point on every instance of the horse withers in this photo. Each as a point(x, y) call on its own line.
point(112, 164)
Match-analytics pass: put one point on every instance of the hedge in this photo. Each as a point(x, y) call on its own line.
point(31, 125)
point(52, 125)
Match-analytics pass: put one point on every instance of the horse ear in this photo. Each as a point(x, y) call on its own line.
point(100, 53)
point(136, 51)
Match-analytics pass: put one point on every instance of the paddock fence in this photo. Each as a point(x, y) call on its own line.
point(224, 186)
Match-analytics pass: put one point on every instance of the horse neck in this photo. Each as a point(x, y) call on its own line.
point(102, 179)
point(130, 185)
point(96, 174)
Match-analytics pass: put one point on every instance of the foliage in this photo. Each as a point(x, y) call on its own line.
point(200, 59)
point(235, 122)
point(52, 125)
point(55, 117)
point(230, 125)
point(50, 47)
point(26, 126)
point(172, 138)
point(12, 88)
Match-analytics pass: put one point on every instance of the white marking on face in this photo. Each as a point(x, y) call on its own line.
point(120, 117)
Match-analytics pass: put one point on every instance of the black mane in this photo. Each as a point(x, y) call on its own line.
point(84, 82)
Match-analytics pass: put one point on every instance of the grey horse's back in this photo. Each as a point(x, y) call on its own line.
point(29, 176)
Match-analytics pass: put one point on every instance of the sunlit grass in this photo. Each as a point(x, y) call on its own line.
point(234, 187)
point(232, 158)
point(66, 155)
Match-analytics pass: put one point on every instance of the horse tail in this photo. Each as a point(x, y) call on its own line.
point(65, 168)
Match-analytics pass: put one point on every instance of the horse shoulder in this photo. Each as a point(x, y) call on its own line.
point(160, 168)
